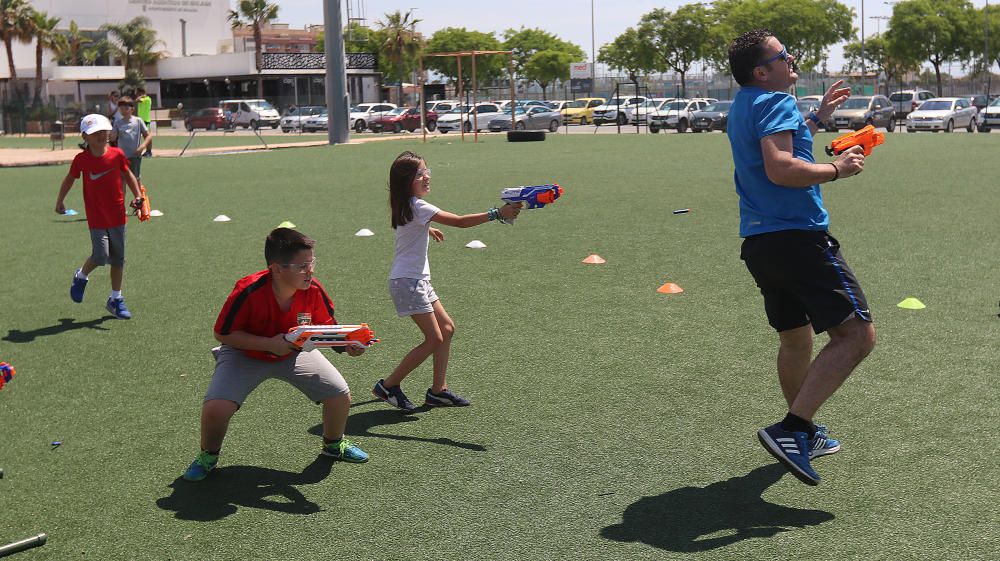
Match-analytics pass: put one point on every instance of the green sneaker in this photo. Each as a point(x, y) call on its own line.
point(201, 466)
point(345, 450)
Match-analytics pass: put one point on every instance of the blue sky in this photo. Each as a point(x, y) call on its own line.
point(569, 19)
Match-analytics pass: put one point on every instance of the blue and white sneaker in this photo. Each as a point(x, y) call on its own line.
point(76, 289)
point(446, 398)
point(201, 466)
point(393, 396)
point(791, 449)
point(822, 444)
point(118, 309)
point(345, 450)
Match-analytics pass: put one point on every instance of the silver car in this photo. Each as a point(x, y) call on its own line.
point(535, 117)
point(990, 117)
point(943, 114)
point(862, 110)
point(295, 118)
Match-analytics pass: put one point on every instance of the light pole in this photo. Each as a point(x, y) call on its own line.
point(593, 49)
point(878, 33)
point(863, 73)
point(184, 40)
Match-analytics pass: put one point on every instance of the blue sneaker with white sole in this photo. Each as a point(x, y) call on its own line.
point(791, 449)
point(822, 444)
point(117, 308)
point(393, 396)
point(76, 289)
point(346, 451)
point(446, 398)
point(201, 466)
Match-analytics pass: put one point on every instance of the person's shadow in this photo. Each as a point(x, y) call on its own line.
point(685, 519)
point(65, 324)
point(229, 487)
point(361, 425)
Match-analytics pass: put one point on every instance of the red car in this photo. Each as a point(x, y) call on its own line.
point(402, 118)
point(211, 118)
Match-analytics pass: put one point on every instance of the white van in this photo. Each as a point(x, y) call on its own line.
point(250, 113)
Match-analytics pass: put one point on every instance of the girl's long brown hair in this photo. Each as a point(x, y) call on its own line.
point(401, 175)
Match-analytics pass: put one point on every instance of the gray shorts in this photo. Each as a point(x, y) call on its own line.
point(135, 166)
point(236, 375)
point(412, 296)
point(108, 246)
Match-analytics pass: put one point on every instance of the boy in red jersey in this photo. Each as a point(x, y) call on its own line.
point(103, 167)
point(252, 327)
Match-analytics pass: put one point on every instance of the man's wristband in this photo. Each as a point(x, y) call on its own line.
point(814, 118)
point(836, 172)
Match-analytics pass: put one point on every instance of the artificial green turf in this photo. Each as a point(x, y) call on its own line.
point(202, 140)
point(608, 421)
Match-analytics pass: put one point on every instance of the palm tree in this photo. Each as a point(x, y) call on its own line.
point(134, 44)
point(74, 41)
point(254, 13)
point(15, 25)
point(399, 43)
point(46, 37)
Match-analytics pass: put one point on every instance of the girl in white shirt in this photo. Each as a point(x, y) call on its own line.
point(409, 281)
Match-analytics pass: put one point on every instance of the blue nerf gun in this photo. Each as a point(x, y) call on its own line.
point(536, 196)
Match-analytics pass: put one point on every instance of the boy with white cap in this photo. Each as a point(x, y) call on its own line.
point(103, 168)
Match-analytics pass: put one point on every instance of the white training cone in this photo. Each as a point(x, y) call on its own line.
point(475, 244)
point(155, 213)
point(222, 218)
point(364, 233)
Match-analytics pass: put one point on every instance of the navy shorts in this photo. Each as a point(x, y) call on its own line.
point(804, 279)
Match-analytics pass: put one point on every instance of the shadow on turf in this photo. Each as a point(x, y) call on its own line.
point(360, 424)
point(685, 519)
point(65, 324)
point(229, 487)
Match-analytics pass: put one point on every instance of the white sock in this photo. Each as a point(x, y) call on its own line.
point(79, 274)
point(116, 294)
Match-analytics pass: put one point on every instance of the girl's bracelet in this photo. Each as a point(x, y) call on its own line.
point(493, 214)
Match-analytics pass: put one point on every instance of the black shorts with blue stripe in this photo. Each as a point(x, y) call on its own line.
point(804, 280)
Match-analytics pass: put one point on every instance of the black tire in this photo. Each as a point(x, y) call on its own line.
point(189, 126)
point(467, 126)
point(621, 119)
point(682, 125)
point(525, 136)
point(519, 126)
point(891, 127)
point(697, 130)
point(411, 130)
point(654, 129)
point(554, 126)
point(431, 125)
point(274, 126)
point(212, 126)
point(397, 128)
point(583, 121)
point(949, 126)
point(444, 132)
point(359, 126)
point(972, 126)
point(253, 124)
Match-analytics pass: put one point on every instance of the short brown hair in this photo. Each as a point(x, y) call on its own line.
point(126, 100)
point(283, 243)
point(745, 54)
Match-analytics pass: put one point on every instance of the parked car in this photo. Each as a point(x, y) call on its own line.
point(210, 118)
point(676, 114)
point(642, 112)
point(907, 101)
point(463, 117)
point(294, 118)
point(981, 101)
point(581, 111)
point(528, 118)
point(811, 103)
point(362, 113)
point(990, 117)
point(862, 110)
point(943, 114)
point(251, 113)
point(403, 118)
point(715, 117)
point(316, 123)
point(441, 105)
point(618, 110)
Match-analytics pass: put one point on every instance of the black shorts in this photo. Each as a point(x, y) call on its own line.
point(804, 279)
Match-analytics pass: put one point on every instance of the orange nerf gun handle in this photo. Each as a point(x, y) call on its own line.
point(142, 210)
point(866, 138)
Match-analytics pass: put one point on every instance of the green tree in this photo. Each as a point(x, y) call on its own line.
point(628, 52)
point(399, 46)
point(73, 42)
point(807, 28)
point(357, 39)
point(677, 40)
point(15, 25)
point(254, 14)
point(985, 38)
point(458, 39)
point(43, 28)
point(526, 44)
point(934, 31)
point(878, 57)
point(134, 44)
point(545, 67)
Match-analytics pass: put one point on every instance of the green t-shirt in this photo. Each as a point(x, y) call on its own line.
point(144, 108)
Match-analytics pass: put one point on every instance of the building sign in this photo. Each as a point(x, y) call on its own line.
point(579, 70)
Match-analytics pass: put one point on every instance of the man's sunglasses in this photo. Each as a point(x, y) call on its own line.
point(783, 55)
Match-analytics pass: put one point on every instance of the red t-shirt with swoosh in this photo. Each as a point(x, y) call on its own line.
point(103, 196)
point(253, 308)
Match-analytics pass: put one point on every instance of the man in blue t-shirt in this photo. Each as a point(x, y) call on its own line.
point(806, 283)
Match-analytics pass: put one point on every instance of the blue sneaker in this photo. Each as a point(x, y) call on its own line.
point(201, 466)
point(446, 398)
point(393, 396)
point(791, 449)
point(345, 450)
point(118, 309)
point(822, 444)
point(76, 289)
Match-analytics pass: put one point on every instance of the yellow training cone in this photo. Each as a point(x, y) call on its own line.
point(594, 259)
point(670, 288)
point(286, 224)
point(911, 304)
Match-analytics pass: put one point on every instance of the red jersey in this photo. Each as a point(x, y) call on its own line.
point(103, 196)
point(253, 308)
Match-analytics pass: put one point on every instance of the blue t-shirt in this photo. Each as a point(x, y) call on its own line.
point(764, 205)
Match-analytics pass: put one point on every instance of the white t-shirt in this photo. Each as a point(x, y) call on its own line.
point(412, 238)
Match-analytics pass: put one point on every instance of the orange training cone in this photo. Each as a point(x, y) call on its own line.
point(670, 288)
point(594, 259)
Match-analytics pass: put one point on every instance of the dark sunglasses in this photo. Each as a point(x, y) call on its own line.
point(783, 55)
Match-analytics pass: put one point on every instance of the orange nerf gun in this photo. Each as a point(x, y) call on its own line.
point(142, 209)
point(866, 138)
point(309, 337)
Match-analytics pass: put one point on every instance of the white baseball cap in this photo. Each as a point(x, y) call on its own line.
point(93, 123)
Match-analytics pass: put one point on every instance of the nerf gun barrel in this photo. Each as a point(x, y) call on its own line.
point(867, 138)
point(6, 374)
point(535, 196)
point(142, 210)
point(308, 337)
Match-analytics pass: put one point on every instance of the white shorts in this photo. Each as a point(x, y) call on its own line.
point(412, 296)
